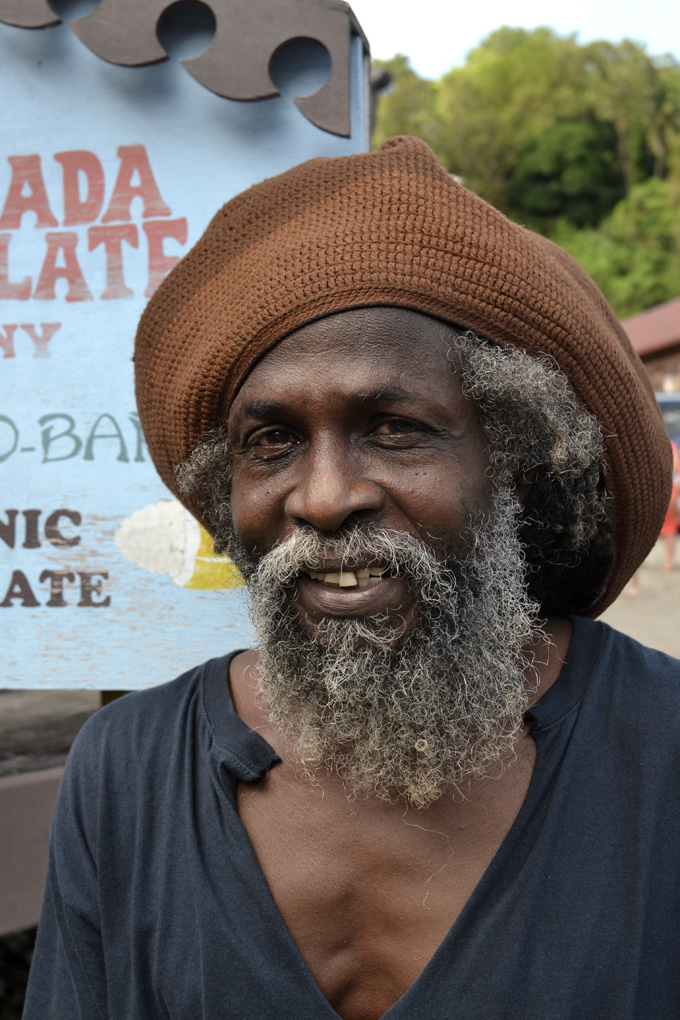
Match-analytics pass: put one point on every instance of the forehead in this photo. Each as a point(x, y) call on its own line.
point(364, 347)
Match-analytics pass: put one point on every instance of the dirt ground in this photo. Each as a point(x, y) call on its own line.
point(653, 615)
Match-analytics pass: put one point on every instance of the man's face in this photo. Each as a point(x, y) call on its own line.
point(385, 574)
point(357, 419)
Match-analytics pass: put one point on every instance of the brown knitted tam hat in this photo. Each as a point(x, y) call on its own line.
point(392, 228)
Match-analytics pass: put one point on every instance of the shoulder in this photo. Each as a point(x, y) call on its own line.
point(133, 760)
point(632, 664)
point(634, 686)
point(150, 708)
point(139, 731)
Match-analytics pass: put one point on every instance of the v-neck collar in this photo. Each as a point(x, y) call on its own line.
point(248, 757)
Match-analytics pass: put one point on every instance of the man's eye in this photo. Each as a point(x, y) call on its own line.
point(273, 438)
point(396, 427)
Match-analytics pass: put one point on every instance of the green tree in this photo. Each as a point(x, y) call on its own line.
point(580, 142)
point(634, 256)
point(630, 92)
point(500, 120)
point(570, 170)
point(407, 106)
point(512, 89)
point(663, 129)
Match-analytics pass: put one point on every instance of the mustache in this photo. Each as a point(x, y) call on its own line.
point(357, 546)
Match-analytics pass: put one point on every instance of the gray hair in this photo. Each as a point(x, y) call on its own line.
point(538, 433)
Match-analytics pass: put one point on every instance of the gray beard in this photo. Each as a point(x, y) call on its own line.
point(400, 717)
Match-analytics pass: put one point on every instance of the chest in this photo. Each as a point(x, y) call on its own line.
point(369, 890)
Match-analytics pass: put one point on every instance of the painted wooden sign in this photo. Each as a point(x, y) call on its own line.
point(109, 172)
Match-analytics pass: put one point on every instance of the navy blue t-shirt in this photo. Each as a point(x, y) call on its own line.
point(156, 907)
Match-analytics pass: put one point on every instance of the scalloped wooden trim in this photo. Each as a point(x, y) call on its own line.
point(236, 63)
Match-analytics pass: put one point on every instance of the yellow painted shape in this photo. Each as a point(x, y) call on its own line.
point(212, 572)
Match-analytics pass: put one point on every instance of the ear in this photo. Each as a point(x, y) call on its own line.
point(524, 483)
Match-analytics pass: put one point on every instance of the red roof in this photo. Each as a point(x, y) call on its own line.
point(655, 329)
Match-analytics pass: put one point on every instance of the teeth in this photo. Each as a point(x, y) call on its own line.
point(363, 577)
point(344, 578)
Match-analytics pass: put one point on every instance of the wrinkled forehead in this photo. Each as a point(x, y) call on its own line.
point(386, 344)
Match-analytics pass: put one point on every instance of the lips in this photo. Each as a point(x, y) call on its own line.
point(350, 595)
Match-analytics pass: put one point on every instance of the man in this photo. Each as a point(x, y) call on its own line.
point(435, 789)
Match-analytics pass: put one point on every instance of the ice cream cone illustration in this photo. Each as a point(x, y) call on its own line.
point(165, 539)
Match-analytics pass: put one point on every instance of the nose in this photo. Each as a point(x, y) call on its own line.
point(332, 487)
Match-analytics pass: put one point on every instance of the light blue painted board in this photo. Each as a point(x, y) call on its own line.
point(69, 435)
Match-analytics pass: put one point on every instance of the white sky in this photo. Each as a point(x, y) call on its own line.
point(436, 34)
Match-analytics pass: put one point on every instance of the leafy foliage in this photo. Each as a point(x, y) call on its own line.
point(634, 256)
point(407, 108)
point(570, 170)
point(580, 142)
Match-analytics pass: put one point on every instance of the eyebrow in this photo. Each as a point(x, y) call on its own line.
point(272, 408)
point(261, 409)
